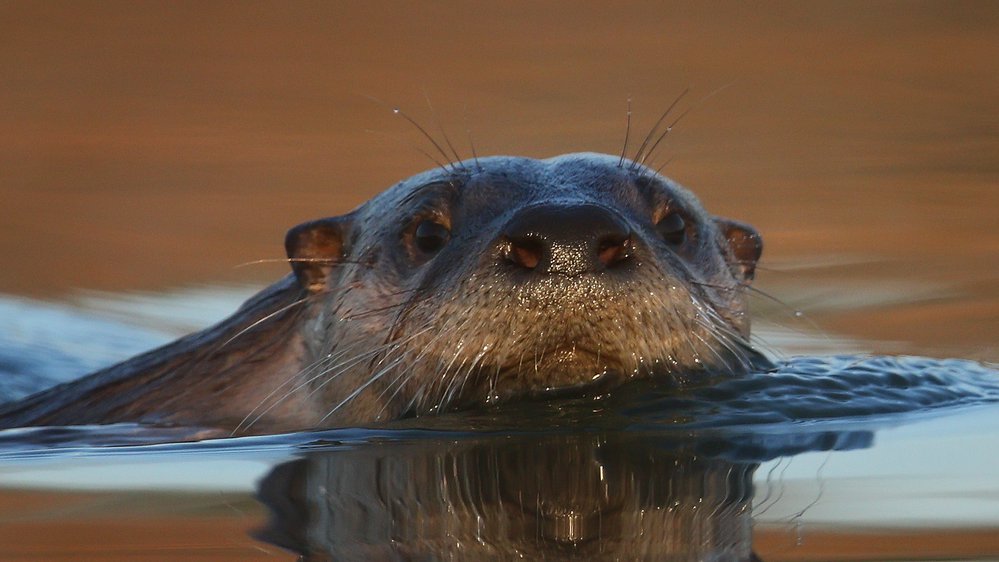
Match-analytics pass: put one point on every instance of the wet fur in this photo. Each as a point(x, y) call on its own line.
point(449, 325)
point(366, 330)
point(201, 379)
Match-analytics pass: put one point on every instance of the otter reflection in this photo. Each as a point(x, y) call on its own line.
point(587, 496)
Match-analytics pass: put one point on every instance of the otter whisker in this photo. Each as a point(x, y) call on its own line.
point(454, 382)
point(445, 375)
point(399, 383)
point(682, 115)
point(475, 369)
point(361, 388)
point(461, 379)
point(404, 378)
point(661, 167)
point(441, 383)
point(752, 343)
point(447, 331)
point(320, 364)
point(685, 330)
point(627, 135)
point(734, 341)
point(669, 128)
point(265, 318)
point(493, 383)
point(797, 313)
point(471, 143)
point(205, 354)
point(665, 133)
point(385, 350)
point(761, 345)
point(638, 158)
point(339, 368)
point(343, 367)
point(404, 310)
point(401, 379)
point(371, 380)
point(440, 126)
point(412, 146)
point(719, 286)
point(323, 261)
point(428, 136)
point(302, 372)
point(734, 352)
point(336, 369)
point(434, 386)
point(386, 308)
point(397, 111)
point(331, 372)
point(714, 321)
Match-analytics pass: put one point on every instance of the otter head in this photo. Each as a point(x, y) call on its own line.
point(508, 277)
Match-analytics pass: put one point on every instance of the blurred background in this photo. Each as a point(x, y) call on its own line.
point(146, 146)
point(150, 149)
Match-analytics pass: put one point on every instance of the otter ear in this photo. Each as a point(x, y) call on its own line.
point(315, 248)
point(745, 246)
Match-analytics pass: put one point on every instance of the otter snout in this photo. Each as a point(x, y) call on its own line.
point(566, 239)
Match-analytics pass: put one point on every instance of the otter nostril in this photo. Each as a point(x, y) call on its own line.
point(568, 239)
point(526, 253)
point(613, 250)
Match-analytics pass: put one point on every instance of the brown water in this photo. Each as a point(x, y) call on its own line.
point(149, 146)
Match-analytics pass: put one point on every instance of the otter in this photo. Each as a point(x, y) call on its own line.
point(475, 283)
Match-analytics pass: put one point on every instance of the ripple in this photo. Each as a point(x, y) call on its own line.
point(806, 403)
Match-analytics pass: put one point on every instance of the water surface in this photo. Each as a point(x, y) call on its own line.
point(148, 151)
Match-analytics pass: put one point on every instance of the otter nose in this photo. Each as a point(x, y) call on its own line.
point(567, 239)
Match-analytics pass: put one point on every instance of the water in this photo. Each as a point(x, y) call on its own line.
point(148, 148)
point(819, 444)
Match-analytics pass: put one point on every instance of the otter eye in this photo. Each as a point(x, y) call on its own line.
point(431, 236)
point(672, 228)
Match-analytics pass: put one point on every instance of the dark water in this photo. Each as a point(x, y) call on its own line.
point(644, 472)
point(147, 150)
